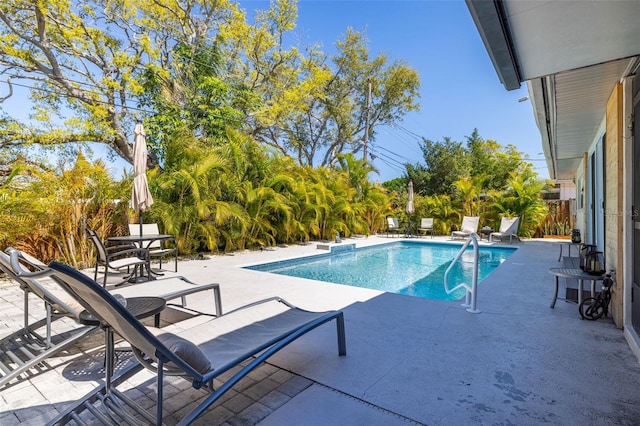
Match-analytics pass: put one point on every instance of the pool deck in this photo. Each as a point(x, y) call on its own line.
point(409, 360)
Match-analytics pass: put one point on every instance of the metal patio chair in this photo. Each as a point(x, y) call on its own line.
point(426, 226)
point(157, 249)
point(117, 257)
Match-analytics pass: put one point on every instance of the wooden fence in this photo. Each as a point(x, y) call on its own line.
point(559, 221)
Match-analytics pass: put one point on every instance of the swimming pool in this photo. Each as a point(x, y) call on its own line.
point(405, 267)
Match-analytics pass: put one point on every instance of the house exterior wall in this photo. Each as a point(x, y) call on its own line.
point(614, 196)
point(631, 91)
point(567, 191)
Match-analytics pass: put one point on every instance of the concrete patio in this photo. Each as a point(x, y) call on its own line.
point(409, 360)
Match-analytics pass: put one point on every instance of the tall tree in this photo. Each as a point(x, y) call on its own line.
point(83, 62)
point(314, 106)
point(493, 161)
point(95, 67)
point(447, 161)
point(444, 163)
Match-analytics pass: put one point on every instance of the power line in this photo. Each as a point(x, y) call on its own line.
point(406, 160)
point(407, 139)
point(394, 164)
point(388, 156)
point(375, 157)
point(409, 132)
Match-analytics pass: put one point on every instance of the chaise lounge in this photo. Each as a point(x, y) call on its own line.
point(204, 351)
point(508, 228)
point(26, 348)
point(469, 226)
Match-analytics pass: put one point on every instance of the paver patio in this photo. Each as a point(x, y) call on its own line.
point(409, 360)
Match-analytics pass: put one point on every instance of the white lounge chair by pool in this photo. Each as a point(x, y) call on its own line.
point(469, 226)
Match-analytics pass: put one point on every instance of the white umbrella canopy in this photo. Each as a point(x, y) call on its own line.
point(141, 198)
point(410, 209)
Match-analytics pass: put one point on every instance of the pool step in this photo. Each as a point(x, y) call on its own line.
point(336, 247)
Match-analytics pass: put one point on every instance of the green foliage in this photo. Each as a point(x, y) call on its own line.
point(494, 162)
point(396, 185)
point(236, 119)
point(44, 214)
point(240, 195)
point(444, 163)
point(522, 198)
point(313, 106)
point(482, 160)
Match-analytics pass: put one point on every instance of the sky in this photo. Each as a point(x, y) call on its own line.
point(460, 89)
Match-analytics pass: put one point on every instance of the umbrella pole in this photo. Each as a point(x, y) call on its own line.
point(140, 216)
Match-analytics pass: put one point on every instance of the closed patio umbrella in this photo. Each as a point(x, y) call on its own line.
point(141, 198)
point(410, 208)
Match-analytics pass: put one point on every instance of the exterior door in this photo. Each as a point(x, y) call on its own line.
point(635, 287)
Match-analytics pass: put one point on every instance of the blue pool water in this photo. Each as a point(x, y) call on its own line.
point(412, 268)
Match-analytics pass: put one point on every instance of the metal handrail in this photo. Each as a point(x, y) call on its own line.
point(471, 295)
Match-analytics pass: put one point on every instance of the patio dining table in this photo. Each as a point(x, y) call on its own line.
point(142, 241)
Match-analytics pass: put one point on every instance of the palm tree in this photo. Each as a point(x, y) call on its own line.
point(45, 217)
point(189, 199)
point(522, 198)
point(468, 191)
point(441, 208)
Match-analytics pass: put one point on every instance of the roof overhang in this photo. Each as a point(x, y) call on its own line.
point(569, 109)
point(571, 54)
point(490, 19)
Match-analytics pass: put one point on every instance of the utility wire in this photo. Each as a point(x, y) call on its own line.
point(388, 160)
point(66, 95)
point(409, 132)
point(388, 156)
point(405, 159)
point(403, 137)
point(375, 157)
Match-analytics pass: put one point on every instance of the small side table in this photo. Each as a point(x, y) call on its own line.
point(485, 231)
point(576, 274)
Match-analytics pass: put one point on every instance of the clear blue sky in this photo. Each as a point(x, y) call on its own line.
point(460, 89)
